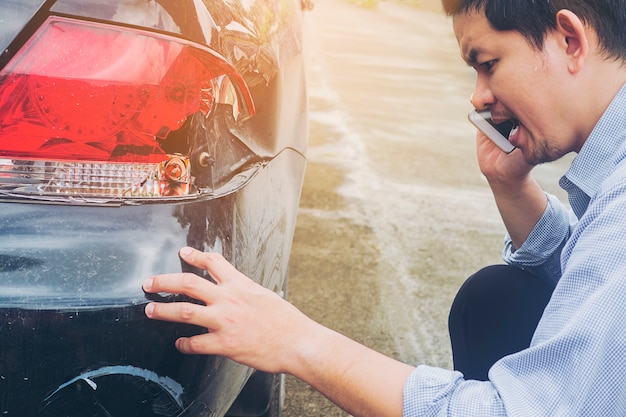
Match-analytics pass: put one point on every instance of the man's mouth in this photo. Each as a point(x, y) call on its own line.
point(508, 128)
point(513, 132)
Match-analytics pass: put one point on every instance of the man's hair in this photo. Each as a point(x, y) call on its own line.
point(535, 18)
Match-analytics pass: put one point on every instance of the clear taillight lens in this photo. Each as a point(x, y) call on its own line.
point(145, 180)
point(85, 106)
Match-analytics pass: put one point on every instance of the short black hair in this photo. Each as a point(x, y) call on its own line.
point(535, 18)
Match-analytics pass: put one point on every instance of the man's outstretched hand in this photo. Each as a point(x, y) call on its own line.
point(245, 321)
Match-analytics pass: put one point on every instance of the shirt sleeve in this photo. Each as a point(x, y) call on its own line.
point(433, 391)
point(540, 254)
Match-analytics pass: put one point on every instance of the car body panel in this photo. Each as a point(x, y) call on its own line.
point(75, 339)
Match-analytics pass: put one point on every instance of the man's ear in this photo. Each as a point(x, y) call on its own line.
point(574, 37)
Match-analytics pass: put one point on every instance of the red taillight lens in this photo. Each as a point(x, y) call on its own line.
point(81, 91)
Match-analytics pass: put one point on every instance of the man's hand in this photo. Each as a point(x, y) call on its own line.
point(246, 322)
point(498, 166)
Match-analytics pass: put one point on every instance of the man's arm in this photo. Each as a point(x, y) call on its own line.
point(254, 326)
point(520, 204)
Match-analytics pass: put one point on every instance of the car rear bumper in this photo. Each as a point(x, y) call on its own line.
point(76, 341)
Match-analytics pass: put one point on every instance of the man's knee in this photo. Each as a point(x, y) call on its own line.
point(494, 313)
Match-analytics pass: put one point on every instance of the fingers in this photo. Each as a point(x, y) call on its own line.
point(218, 308)
point(183, 283)
point(187, 313)
point(203, 344)
point(191, 284)
point(214, 263)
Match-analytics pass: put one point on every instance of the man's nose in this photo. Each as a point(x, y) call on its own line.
point(482, 97)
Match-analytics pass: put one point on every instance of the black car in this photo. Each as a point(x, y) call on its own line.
point(128, 129)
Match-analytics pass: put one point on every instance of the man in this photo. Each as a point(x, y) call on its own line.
point(557, 68)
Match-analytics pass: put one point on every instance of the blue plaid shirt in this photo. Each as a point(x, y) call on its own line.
point(576, 364)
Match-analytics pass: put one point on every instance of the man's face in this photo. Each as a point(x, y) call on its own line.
point(519, 82)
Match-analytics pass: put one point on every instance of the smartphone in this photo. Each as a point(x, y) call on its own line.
point(498, 133)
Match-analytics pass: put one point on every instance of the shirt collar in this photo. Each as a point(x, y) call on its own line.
point(596, 158)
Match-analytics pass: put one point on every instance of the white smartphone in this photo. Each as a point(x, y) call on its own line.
point(498, 133)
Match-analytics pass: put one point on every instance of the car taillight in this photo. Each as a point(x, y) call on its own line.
point(84, 108)
point(165, 179)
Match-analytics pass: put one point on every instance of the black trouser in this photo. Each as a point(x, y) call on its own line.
point(494, 314)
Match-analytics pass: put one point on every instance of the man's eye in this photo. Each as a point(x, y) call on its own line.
point(488, 65)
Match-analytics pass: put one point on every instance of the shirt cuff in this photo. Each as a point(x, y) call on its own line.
point(428, 389)
point(438, 392)
point(545, 240)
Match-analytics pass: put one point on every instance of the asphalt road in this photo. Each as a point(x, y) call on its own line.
point(394, 212)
